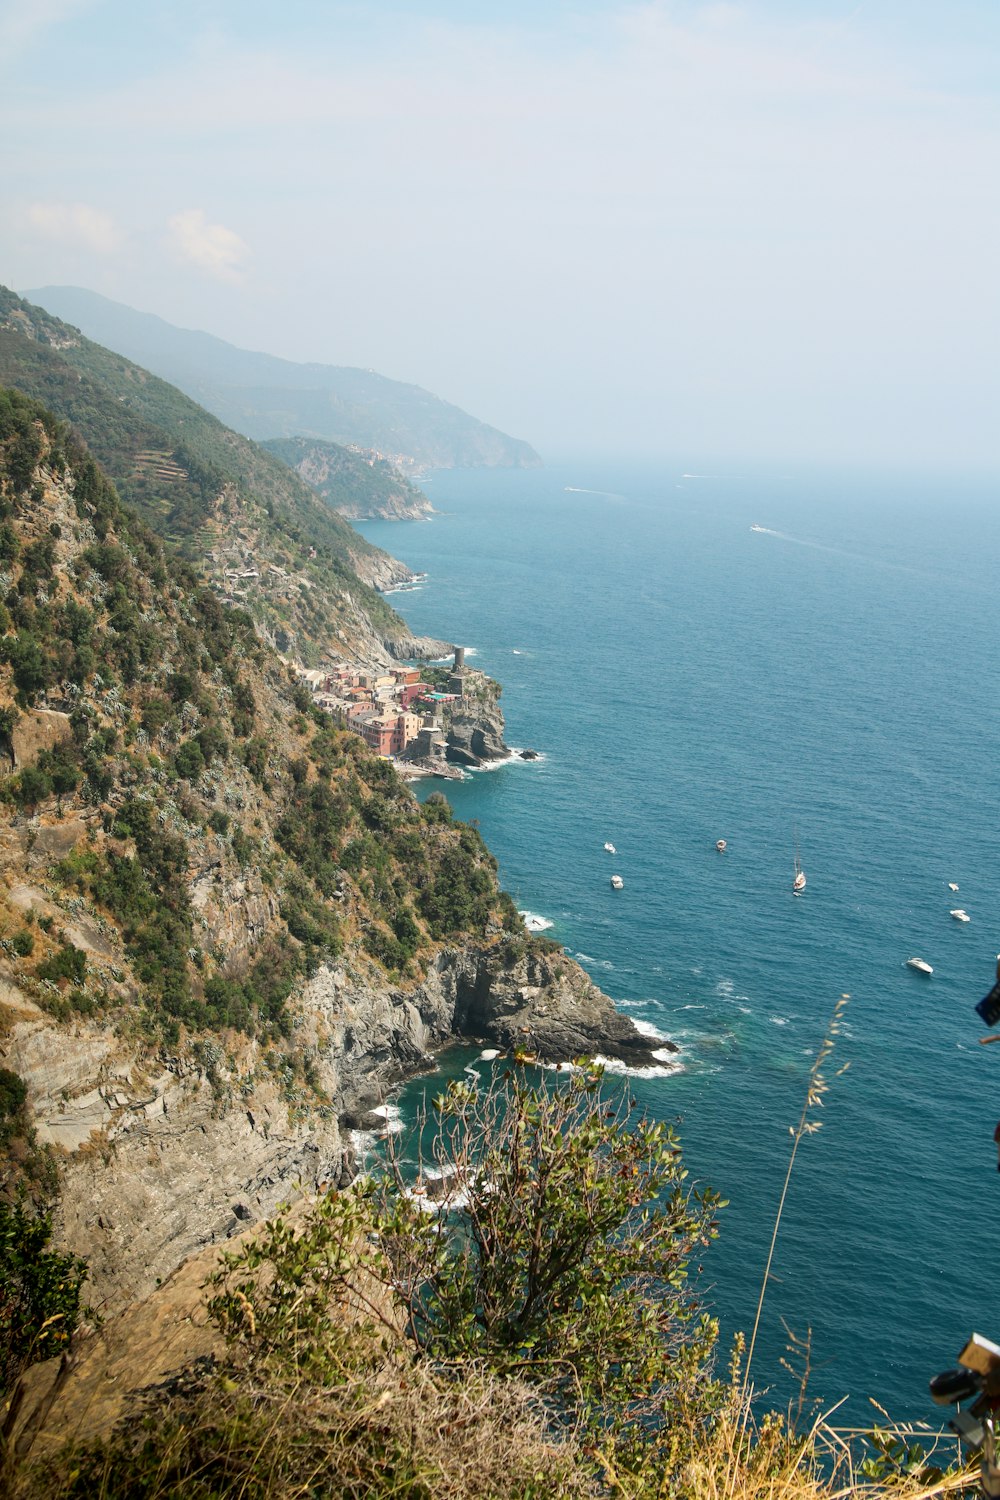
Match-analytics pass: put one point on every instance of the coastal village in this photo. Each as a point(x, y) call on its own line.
point(395, 710)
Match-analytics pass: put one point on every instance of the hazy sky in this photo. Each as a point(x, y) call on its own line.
point(764, 229)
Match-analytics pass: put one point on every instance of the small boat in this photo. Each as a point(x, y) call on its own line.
point(611, 848)
point(919, 964)
point(952, 886)
point(616, 882)
point(720, 844)
point(755, 527)
point(960, 915)
point(799, 880)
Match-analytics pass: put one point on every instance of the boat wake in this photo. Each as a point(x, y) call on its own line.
point(801, 541)
point(575, 489)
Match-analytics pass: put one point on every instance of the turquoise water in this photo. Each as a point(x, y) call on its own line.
point(834, 678)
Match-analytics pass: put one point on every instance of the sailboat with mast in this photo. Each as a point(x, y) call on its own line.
point(799, 881)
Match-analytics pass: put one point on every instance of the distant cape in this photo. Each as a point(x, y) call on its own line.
point(264, 397)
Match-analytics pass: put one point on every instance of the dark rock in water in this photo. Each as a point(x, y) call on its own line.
point(438, 1188)
point(362, 1119)
point(529, 754)
point(348, 1168)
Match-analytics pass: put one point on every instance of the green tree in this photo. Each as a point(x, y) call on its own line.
point(568, 1258)
point(40, 1292)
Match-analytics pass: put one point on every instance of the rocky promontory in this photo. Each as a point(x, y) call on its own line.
point(474, 722)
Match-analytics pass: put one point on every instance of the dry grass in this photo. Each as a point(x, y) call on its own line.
point(401, 1430)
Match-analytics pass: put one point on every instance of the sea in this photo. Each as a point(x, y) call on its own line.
point(795, 661)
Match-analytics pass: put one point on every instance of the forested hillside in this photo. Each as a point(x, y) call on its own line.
point(350, 482)
point(228, 507)
point(171, 786)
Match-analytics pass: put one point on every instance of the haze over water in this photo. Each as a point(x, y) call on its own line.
point(835, 676)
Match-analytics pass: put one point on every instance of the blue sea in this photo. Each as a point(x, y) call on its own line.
point(829, 681)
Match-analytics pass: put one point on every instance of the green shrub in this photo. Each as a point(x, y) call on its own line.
point(570, 1248)
point(67, 963)
point(40, 1292)
point(189, 761)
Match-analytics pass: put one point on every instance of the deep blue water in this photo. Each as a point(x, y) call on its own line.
point(835, 678)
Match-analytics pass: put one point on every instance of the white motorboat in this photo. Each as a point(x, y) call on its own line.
point(960, 915)
point(952, 886)
point(616, 882)
point(720, 844)
point(920, 964)
point(611, 848)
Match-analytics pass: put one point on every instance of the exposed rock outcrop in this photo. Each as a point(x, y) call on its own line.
point(162, 1159)
point(474, 724)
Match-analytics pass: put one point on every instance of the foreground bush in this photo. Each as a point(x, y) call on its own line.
point(530, 1334)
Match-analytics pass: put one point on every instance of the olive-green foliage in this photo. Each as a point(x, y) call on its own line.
point(67, 962)
point(569, 1250)
point(462, 890)
point(166, 684)
point(40, 1292)
point(375, 1349)
point(122, 412)
point(27, 1170)
point(13, 1098)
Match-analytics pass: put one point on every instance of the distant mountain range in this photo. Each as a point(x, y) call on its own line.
point(263, 397)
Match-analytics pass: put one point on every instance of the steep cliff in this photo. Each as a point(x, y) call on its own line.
point(225, 925)
point(352, 483)
point(474, 723)
point(247, 524)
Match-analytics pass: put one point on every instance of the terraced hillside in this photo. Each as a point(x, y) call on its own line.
point(226, 505)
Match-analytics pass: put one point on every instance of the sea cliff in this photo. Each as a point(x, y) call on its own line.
point(165, 1154)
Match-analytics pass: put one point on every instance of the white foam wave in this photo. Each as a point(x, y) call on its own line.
point(646, 1028)
point(402, 588)
point(778, 1020)
point(615, 1065)
point(692, 1006)
point(392, 1115)
point(534, 922)
point(725, 987)
point(515, 758)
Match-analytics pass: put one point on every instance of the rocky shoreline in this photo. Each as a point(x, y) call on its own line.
point(162, 1159)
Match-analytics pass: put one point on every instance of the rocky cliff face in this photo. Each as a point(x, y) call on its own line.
point(354, 484)
point(165, 1155)
point(226, 927)
point(474, 724)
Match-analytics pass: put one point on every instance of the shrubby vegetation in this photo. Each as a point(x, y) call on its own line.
point(125, 415)
point(375, 1349)
point(172, 705)
point(534, 1334)
point(40, 1292)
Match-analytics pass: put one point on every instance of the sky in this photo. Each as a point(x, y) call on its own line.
point(763, 230)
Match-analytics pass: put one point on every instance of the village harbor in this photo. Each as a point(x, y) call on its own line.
point(429, 720)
